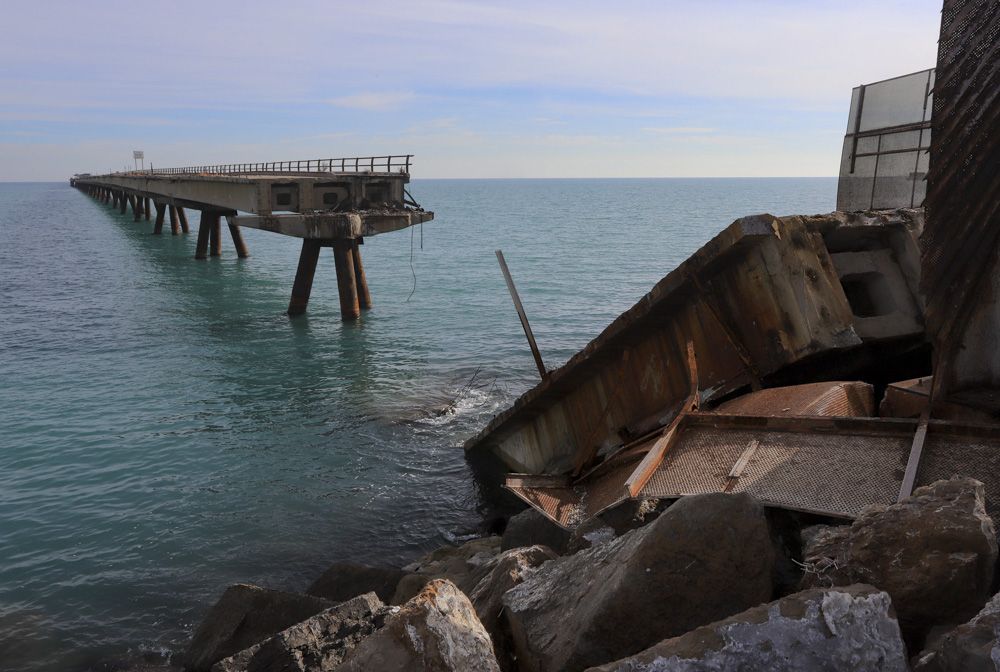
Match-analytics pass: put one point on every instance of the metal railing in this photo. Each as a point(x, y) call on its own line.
point(355, 164)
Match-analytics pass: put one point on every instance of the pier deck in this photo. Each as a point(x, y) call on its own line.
point(327, 202)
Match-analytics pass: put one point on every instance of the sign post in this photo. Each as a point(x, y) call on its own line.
point(137, 156)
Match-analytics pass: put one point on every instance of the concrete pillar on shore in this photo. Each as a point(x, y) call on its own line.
point(174, 222)
point(304, 276)
point(364, 296)
point(158, 225)
point(204, 229)
point(182, 216)
point(347, 285)
point(241, 246)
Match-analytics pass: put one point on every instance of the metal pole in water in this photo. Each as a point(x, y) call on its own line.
point(521, 314)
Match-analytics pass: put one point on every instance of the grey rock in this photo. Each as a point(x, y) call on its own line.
point(971, 647)
point(934, 553)
point(436, 631)
point(464, 565)
point(317, 644)
point(344, 580)
point(589, 534)
point(508, 570)
point(705, 558)
point(243, 616)
point(832, 630)
point(531, 528)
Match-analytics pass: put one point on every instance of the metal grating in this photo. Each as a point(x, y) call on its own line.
point(843, 399)
point(947, 455)
point(698, 463)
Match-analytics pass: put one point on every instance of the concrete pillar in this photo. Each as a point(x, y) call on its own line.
point(201, 249)
point(158, 226)
point(215, 237)
point(364, 297)
point(136, 204)
point(145, 208)
point(182, 216)
point(347, 285)
point(304, 277)
point(241, 247)
point(174, 222)
point(122, 203)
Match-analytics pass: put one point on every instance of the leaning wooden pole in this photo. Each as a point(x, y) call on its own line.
point(364, 296)
point(302, 287)
point(347, 286)
point(521, 315)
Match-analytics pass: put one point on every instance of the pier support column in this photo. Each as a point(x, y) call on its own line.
point(364, 297)
point(158, 225)
point(136, 204)
point(204, 229)
point(122, 203)
point(215, 237)
point(145, 208)
point(182, 216)
point(174, 225)
point(347, 285)
point(304, 276)
point(241, 246)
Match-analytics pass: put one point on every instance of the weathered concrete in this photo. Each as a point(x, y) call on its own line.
point(832, 630)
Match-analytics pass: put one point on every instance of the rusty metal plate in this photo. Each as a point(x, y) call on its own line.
point(845, 399)
point(561, 504)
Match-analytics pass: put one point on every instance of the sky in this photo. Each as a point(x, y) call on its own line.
point(703, 88)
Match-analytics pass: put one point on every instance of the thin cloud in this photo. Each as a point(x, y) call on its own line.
point(679, 130)
point(373, 101)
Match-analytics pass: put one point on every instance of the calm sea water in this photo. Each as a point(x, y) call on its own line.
point(166, 430)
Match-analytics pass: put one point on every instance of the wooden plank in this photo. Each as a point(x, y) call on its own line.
point(651, 462)
point(913, 461)
point(521, 314)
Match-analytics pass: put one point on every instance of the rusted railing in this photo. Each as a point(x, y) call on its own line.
point(355, 164)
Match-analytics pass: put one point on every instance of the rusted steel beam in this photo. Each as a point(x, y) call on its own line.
point(215, 237)
point(302, 287)
point(364, 296)
point(204, 231)
point(182, 216)
point(158, 224)
point(238, 242)
point(522, 315)
point(347, 286)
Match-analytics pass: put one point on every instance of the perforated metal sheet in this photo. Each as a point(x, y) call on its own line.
point(562, 505)
point(835, 474)
point(844, 399)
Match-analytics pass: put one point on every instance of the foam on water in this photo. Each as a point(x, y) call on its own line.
point(167, 430)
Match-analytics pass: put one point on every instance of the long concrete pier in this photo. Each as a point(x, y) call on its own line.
point(332, 203)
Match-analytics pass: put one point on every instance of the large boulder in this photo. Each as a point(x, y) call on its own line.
point(705, 558)
point(509, 569)
point(464, 565)
point(971, 647)
point(243, 616)
point(436, 631)
point(934, 553)
point(531, 528)
point(317, 644)
point(344, 580)
point(817, 630)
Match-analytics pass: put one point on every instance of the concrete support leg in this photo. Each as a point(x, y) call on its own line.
point(347, 285)
point(145, 208)
point(304, 277)
point(122, 203)
point(241, 246)
point(201, 250)
point(174, 222)
point(364, 297)
point(215, 237)
point(136, 204)
point(182, 216)
point(158, 225)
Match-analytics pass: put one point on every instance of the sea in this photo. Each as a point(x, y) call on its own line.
point(166, 430)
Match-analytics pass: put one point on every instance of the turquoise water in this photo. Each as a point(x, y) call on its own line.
point(167, 430)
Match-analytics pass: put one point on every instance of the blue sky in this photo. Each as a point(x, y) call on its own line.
point(473, 89)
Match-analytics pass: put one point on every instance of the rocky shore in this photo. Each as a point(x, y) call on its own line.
point(710, 582)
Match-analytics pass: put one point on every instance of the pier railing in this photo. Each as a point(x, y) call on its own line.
point(355, 164)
